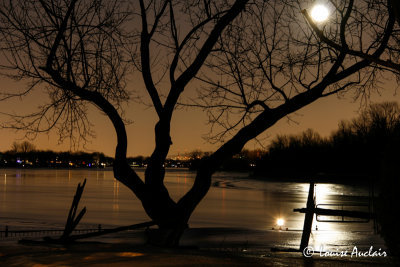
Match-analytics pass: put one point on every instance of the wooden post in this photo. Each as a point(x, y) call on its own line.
point(73, 220)
point(308, 218)
point(312, 209)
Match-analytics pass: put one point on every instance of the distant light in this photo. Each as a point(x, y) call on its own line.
point(280, 222)
point(319, 13)
point(130, 254)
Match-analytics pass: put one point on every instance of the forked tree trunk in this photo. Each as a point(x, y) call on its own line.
point(171, 217)
point(173, 223)
point(177, 218)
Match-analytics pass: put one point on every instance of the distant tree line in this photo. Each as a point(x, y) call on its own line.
point(25, 155)
point(246, 160)
point(358, 148)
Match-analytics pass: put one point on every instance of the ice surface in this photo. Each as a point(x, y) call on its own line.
point(41, 198)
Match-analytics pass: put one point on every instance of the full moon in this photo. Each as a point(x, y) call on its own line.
point(319, 13)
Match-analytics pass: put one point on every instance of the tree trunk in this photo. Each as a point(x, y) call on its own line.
point(171, 220)
point(167, 236)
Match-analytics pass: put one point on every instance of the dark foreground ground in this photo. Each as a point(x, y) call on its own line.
point(201, 247)
point(103, 254)
point(128, 249)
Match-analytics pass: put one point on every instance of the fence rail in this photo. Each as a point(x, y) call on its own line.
point(6, 233)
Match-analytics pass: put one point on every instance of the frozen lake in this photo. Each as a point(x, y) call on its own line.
point(41, 198)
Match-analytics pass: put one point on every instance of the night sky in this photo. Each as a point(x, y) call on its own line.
point(188, 125)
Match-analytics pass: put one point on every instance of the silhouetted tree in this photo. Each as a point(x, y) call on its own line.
point(388, 60)
point(26, 147)
point(76, 48)
point(196, 154)
point(256, 62)
point(378, 128)
point(299, 156)
point(356, 148)
point(23, 147)
point(361, 143)
point(14, 147)
point(375, 137)
point(387, 203)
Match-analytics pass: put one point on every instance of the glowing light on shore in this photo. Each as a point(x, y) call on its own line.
point(280, 222)
point(130, 254)
point(319, 13)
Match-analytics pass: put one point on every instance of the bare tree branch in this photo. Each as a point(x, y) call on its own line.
point(343, 47)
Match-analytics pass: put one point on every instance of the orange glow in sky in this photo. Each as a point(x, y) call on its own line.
point(188, 125)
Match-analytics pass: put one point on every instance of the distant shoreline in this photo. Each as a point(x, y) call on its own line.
point(87, 168)
point(346, 179)
point(56, 168)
